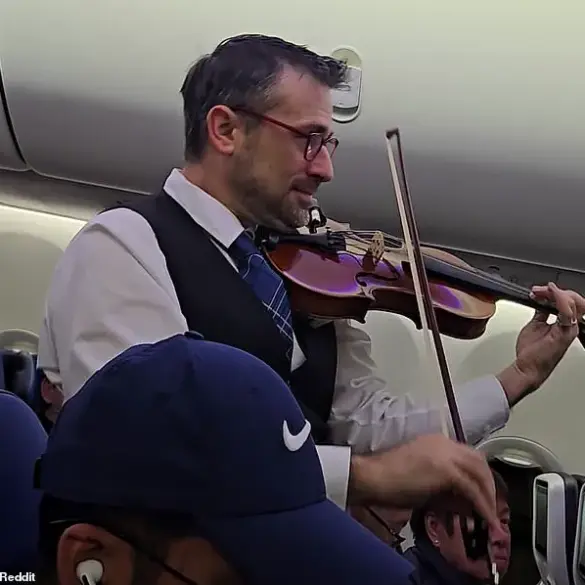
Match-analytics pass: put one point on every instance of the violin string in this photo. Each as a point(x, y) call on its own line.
point(362, 244)
point(395, 242)
point(358, 236)
point(503, 284)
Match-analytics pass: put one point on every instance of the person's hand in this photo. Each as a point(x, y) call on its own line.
point(407, 475)
point(540, 346)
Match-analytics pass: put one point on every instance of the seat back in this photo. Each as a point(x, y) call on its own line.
point(22, 442)
point(19, 374)
point(2, 380)
point(555, 507)
point(579, 552)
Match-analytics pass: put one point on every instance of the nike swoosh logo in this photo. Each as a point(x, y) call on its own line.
point(295, 442)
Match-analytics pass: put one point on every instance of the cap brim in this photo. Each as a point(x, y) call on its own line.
point(317, 544)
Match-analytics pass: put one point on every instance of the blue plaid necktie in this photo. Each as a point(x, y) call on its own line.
point(265, 283)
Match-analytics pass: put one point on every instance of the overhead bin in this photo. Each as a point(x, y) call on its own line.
point(488, 99)
point(86, 108)
point(10, 158)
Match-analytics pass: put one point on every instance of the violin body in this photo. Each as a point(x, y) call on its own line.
point(345, 274)
point(347, 284)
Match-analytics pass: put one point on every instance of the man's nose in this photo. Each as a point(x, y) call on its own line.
point(322, 166)
point(498, 536)
point(500, 539)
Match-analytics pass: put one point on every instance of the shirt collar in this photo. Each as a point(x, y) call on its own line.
point(214, 217)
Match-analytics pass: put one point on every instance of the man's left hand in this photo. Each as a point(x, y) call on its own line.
point(540, 346)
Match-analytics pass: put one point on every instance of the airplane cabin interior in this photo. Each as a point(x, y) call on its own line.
point(494, 155)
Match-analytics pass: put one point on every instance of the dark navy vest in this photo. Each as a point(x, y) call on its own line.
point(217, 303)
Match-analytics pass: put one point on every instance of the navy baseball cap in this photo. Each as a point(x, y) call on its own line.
point(209, 431)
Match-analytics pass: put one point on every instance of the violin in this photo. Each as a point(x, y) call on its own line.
point(344, 274)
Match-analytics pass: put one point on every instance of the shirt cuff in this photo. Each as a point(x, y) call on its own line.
point(335, 463)
point(483, 406)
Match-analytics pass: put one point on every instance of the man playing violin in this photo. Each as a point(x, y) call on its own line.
point(258, 144)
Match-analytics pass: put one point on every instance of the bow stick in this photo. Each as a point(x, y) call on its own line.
point(476, 538)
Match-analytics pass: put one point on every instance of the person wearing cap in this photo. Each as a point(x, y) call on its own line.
point(190, 485)
point(183, 259)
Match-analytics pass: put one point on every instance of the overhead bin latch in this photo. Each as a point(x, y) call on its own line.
point(347, 97)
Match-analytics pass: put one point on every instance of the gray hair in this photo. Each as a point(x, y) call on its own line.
point(242, 73)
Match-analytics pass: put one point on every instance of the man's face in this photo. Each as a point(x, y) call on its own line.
point(268, 171)
point(194, 559)
point(452, 547)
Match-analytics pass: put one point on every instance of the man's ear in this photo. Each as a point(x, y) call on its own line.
point(432, 526)
point(82, 542)
point(225, 130)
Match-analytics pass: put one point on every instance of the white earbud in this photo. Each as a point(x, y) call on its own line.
point(90, 572)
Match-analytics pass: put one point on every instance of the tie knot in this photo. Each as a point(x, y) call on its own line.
point(244, 246)
point(265, 283)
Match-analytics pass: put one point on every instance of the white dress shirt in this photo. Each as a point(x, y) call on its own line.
point(111, 290)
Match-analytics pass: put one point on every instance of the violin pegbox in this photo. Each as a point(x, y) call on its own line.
point(377, 246)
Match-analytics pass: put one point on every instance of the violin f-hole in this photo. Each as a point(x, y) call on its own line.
point(368, 279)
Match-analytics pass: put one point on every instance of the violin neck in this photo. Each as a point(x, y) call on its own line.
point(473, 280)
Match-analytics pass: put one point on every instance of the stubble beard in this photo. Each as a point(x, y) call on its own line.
point(257, 206)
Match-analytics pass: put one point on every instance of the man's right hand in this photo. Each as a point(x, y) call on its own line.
point(407, 475)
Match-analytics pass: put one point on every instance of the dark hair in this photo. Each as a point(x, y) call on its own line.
point(152, 531)
point(444, 505)
point(242, 73)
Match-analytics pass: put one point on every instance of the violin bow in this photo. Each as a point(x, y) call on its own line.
point(476, 539)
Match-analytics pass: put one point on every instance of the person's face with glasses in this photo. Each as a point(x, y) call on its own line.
point(275, 160)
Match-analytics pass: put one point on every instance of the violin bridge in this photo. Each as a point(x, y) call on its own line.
point(377, 246)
